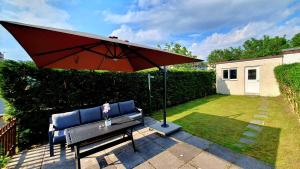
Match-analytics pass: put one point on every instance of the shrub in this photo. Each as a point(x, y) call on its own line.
point(35, 94)
point(288, 77)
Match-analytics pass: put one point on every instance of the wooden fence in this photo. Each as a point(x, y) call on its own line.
point(8, 139)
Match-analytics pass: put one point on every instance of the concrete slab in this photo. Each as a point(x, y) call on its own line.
point(165, 160)
point(184, 152)
point(250, 134)
point(149, 150)
point(181, 135)
point(223, 153)
point(187, 166)
point(145, 165)
point(165, 142)
point(198, 142)
point(165, 130)
point(258, 122)
point(255, 127)
point(247, 141)
point(247, 162)
point(260, 116)
point(208, 161)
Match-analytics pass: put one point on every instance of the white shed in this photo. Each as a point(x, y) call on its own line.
point(253, 76)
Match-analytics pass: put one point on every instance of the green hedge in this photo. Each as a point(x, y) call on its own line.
point(288, 77)
point(35, 94)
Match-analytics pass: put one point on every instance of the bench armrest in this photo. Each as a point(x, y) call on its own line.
point(141, 111)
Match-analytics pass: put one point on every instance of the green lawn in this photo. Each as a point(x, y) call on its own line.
point(223, 119)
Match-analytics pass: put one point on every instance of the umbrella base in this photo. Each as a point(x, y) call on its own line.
point(165, 130)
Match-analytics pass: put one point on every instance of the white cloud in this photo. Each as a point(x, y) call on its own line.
point(138, 36)
point(192, 16)
point(38, 12)
point(236, 37)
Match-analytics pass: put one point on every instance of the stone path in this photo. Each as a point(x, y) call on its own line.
point(180, 150)
point(254, 127)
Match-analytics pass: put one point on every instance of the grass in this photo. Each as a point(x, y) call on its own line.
point(223, 119)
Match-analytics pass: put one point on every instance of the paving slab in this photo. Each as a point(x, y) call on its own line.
point(181, 135)
point(130, 159)
point(260, 116)
point(198, 142)
point(255, 127)
point(165, 160)
point(250, 134)
point(209, 161)
point(258, 122)
point(149, 150)
point(223, 153)
point(187, 166)
point(165, 142)
point(145, 165)
point(172, 128)
point(247, 141)
point(247, 162)
point(184, 152)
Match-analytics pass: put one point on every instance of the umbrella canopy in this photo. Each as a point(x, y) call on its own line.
point(58, 48)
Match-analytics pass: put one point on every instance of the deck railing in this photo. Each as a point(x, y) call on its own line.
point(8, 140)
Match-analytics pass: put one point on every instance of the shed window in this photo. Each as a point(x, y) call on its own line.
point(230, 74)
point(225, 74)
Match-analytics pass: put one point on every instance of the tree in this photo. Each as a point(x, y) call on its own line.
point(220, 55)
point(266, 46)
point(179, 49)
point(252, 48)
point(295, 42)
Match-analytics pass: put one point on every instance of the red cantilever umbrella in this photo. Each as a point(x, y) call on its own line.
point(58, 48)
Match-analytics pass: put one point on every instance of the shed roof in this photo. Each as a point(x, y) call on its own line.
point(249, 59)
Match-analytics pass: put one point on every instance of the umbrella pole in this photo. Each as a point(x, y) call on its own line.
point(165, 99)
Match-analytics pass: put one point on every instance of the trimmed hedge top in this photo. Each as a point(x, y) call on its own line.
point(289, 75)
point(35, 94)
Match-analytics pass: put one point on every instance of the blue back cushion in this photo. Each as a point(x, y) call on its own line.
point(65, 120)
point(90, 114)
point(114, 110)
point(127, 107)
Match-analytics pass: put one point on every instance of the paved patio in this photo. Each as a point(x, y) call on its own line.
point(180, 150)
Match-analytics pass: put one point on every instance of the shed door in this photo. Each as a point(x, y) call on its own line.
point(252, 80)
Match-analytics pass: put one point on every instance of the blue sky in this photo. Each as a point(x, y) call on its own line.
point(202, 26)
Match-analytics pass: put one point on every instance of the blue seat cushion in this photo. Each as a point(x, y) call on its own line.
point(113, 112)
point(90, 115)
point(135, 115)
point(59, 136)
point(127, 107)
point(66, 120)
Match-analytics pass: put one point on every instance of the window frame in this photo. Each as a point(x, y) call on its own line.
point(228, 70)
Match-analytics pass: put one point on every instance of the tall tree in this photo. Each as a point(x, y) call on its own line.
point(177, 48)
point(295, 42)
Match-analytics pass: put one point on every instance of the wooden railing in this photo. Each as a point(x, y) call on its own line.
point(8, 139)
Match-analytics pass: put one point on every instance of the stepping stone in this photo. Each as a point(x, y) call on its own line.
point(260, 116)
point(258, 122)
point(250, 134)
point(264, 113)
point(255, 127)
point(247, 141)
point(239, 145)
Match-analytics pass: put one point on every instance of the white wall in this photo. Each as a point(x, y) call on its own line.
point(291, 58)
point(268, 83)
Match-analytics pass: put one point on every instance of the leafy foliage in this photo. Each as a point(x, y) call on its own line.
point(288, 77)
point(295, 42)
point(179, 49)
point(254, 48)
point(35, 93)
